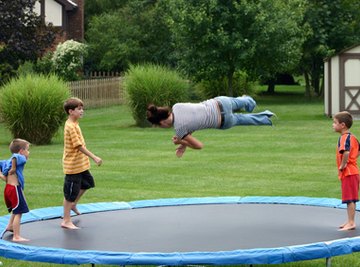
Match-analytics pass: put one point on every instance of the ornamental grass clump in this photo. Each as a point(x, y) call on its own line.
point(32, 107)
point(145, 84)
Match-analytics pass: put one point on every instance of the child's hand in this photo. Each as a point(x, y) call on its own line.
point(12, 171)
point(176, 140)
point(180, 150)
point(97, 160)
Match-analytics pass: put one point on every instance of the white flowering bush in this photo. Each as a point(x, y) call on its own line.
point(67, 60)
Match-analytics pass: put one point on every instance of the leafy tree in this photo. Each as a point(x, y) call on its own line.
point(334, 26)
point(98, 7)
point(23, 36)
point(135, 33)
point(217, 38)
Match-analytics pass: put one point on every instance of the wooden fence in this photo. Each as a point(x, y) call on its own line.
point(98, 92)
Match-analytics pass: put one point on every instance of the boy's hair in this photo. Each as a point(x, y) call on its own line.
point(17, 144)
point(72, 103)
point(344, 117)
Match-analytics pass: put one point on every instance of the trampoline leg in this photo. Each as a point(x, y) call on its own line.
point(328, 262)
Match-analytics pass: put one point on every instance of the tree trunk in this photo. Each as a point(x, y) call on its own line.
point(307, 84)
point(230, 78)
point(315, 76)
point(271, 86)
point(315, 82)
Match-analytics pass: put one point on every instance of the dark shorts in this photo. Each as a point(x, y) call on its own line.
point(73, 183)
point(15, 200)
point(350, 188)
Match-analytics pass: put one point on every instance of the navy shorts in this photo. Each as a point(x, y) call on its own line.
point(73, 183)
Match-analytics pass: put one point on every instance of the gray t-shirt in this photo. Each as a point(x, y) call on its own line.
point(189, 117)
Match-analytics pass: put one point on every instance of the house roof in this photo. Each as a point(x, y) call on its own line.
point(68, 4)
point(342, 51)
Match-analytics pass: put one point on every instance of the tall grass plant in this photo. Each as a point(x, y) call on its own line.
point(32, 107)
point(153, 84)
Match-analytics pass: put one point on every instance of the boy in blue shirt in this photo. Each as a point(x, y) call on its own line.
point(15, 201)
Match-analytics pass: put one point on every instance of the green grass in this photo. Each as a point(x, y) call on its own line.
point(296, 157)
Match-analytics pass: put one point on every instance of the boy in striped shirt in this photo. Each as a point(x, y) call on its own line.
point(76, 163)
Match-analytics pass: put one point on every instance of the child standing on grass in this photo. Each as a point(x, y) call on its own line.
point(14, 196)
point(76, 163)
point(347, 153)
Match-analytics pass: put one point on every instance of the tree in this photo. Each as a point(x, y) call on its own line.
point(334, 26)
point(23, 36)
point(135, 33)
point(98, 7)
point(217, 38)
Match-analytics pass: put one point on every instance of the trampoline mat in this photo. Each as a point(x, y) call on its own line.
point(188, 228)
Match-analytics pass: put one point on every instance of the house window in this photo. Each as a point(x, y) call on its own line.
point(53, 12)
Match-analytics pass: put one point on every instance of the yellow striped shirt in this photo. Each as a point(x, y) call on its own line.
point(74, 161)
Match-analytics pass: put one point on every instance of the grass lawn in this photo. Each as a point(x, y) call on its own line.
point(295, 157)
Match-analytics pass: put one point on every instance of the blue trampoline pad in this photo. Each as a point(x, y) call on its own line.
point(219, 231)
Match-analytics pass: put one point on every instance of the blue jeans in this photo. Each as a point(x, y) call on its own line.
point(231, 104)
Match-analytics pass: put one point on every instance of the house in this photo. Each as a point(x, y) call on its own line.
point(66, 15)
point(342, 82)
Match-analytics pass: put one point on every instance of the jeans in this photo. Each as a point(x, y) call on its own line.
point(232, 104)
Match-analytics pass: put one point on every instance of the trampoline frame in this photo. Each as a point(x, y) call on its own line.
point(276, 255)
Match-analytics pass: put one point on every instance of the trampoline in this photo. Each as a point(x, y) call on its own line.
point(187, 231)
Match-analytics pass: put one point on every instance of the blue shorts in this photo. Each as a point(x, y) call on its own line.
point(15, 200)
point(73, 183)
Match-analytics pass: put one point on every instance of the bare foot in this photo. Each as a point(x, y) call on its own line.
point(8, 229)
point(348, 227)
point(74, 209)
point(343, 225)
point(69, 225)
point(20, 239)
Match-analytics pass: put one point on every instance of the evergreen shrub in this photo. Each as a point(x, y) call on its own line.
point(44, 65)
point(153, 84)
point(32, 107)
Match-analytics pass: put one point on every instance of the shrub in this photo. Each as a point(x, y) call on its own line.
point(6, 72)
point(26, 68)
point(67, 60)
point(32, 107)
point(145, 84)
point(213, 88)
point(44, 64)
